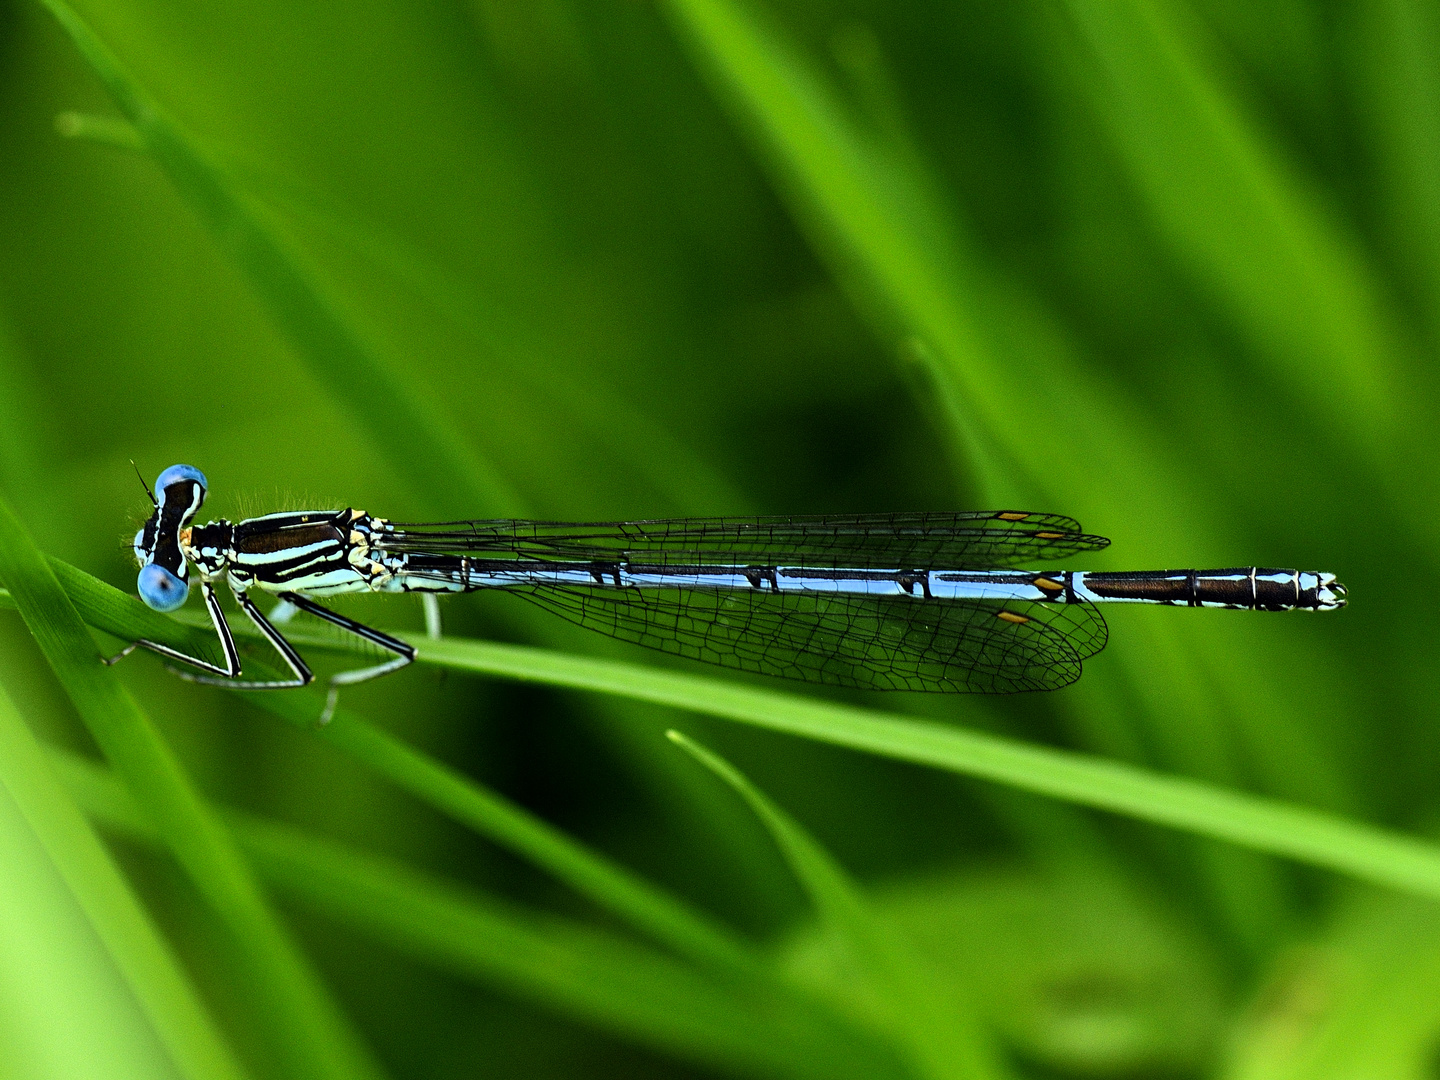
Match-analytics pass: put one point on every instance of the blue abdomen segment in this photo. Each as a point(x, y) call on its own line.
point(1249, 588)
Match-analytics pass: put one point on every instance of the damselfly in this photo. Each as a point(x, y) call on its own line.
point(926, 601)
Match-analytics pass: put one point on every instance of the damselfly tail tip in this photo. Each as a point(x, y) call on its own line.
point(1329, 594)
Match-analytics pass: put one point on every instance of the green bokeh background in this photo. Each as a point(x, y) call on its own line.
point(1172, 268)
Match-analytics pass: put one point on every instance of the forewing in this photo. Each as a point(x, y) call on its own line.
point(950, 541)
point(873, 643)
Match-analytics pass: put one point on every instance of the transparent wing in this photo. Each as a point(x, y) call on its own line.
point(951, 541)
point(873, 643)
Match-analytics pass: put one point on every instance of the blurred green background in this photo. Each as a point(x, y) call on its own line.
point(1172, 268)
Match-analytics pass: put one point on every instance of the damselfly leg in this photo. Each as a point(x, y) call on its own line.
point(404, 654)
point(229, 675)
point(230, 671)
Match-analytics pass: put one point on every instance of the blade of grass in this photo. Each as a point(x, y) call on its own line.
point(66, 1013)
point(308, 1029)
point(645, 906)
point(335, 352)
point(577, 971)
point(1251, 821)
point(161, 986)
point(839, 186)
point(1262, 824)
point(669, 464)
point(1245, 221)
point(943, 1042)
point(1395, 43)
point(1269, 825)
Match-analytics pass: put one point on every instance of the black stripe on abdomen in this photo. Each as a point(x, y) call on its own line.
point(1253, 587)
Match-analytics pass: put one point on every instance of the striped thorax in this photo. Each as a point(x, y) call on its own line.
point(320, 553)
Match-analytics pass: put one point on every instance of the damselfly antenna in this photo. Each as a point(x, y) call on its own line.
point(145, 484)
point(930, 602)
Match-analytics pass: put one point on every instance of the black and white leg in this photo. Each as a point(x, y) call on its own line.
point(404, 654)
point(222, 631)
point(229, 674)
point(300, 671)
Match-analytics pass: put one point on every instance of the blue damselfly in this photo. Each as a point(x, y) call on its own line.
point(924, 601)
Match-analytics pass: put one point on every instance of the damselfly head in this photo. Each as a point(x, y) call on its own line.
point(179, 494)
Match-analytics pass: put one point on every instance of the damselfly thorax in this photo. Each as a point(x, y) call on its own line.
point(928, 601)
point(322, 553)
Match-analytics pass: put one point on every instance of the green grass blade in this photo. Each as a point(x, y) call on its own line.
point(1395, 43)
point(1268, 825)
point(574, 970)
point(1246, 223)
point(311, 1035)
point(66, 1013)
point(334, 350)
point(671, 465)
point(163, 989)
point(1263, 824)
point(855, 208)
point(625, 894)
point(942, 1043)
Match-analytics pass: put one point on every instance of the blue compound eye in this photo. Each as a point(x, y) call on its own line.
point(173, 475)
point(161, 589)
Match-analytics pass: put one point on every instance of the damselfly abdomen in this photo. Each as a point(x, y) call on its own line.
point(884, 602)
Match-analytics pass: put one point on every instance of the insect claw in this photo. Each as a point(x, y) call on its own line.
point(112, 660)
